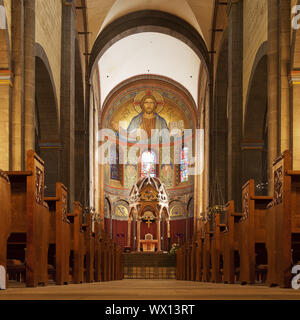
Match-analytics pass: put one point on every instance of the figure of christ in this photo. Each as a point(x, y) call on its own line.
point(148, 119)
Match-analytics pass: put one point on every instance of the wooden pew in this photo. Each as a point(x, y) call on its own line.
point(188, 250)
point(59, 250)
point(229, 237)
point(119, 263)
point(5, 216)
point(207, 252)
point(77, 244)
point(283, 223)
point(179, 264)
point(252, 237)
point(30, 221)
point(89, 249)
point(193, 259)
point(199, 260)
point(216, 272)
point(98, 251)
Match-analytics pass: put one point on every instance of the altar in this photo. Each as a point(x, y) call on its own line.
point(148, 245)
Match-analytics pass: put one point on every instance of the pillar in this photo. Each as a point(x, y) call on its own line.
point(5, 119)
point(285, 54)
point(29, 75)
point(129, 233)
point(158, 236)
point(138, 235)
point(235, 100)
point(18, 157)
point(273, 87)
point(67, 114)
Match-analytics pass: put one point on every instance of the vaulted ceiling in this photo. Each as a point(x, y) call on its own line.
point(180, 64)
point(198, 13)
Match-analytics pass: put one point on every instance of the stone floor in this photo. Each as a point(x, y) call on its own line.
point(150, 290)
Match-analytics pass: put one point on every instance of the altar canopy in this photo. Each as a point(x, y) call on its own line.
point(148, 202)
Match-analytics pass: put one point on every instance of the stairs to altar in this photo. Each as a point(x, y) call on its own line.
point(140, 265)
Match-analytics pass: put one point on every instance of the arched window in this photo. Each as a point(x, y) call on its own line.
point(184, 175)
point(148, 166)
point(114, 163)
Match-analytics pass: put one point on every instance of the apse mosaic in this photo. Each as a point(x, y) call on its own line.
point(148, 108)
point(169, 109)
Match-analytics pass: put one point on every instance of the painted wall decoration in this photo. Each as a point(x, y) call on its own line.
point(121, 211)
point(177, 210)
point(167, 108)
point(131, 175)
point(167, 175)
point(148, 104)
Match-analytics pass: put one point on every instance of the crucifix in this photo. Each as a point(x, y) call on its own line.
point(148, 222)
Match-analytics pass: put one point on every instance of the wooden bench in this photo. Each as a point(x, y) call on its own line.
point(179, 264)
point(89, 249)
point(77, 244)
point(252, 237)
point(208, 231)
point(216, 272)
point(119, 268)
point(229, 237)
point(5, 216)
point(98, 251)
point(283, 223)
point(199, 258)
point(30, 221)
point(193, 265)
point(59, 249)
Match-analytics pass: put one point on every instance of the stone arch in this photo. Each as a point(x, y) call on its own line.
point(149, 21)
point(80, 178)
point(47, 143)
point(255, 145)
point(219, 127)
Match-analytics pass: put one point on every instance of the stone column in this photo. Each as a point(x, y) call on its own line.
point(158, 236)
point(273, 86)
point(295, 84)
point(18, 157)
point(67, 114)
point(29, 75)
point(5, 119)
point(235, 100)
point(138, 235)
point(285, 55)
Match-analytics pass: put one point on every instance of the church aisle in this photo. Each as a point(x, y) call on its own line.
point(150, 290)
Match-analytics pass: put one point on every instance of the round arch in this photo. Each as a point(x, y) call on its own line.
point(255, 154)
point(47, 122)
point(148, 21)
